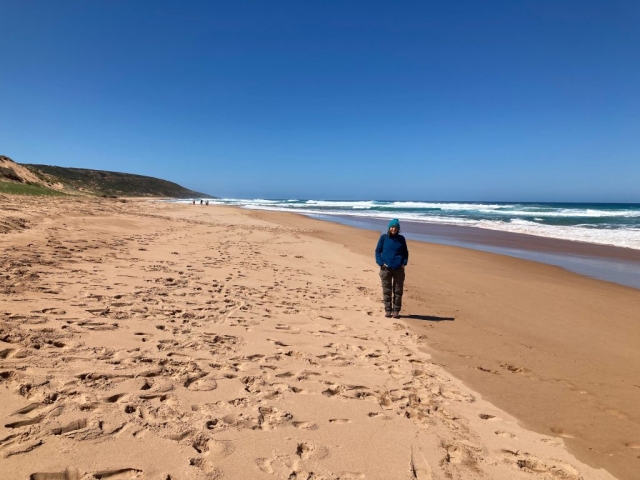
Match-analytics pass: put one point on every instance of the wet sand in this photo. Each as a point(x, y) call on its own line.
point(604, 262)
point(150, 340)
point(495, 238)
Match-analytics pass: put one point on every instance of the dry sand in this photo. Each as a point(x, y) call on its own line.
point(163, 341)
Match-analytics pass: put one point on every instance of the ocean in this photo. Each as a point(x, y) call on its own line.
point(608, 233)
point(616, 224)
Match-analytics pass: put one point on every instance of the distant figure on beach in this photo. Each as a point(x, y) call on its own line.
point(201, 202)
point(193, 202)
point(392, 255)
point(207, 202)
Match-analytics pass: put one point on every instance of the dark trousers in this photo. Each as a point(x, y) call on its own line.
point(392, 286)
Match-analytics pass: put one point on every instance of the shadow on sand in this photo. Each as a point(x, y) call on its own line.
point(430, 318)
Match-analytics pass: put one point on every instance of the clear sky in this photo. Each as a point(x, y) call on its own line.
point(530, 100)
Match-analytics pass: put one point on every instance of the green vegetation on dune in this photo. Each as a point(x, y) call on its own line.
point(26, 189)
point(30, 179)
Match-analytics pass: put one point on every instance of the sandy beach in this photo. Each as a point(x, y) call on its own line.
point(152, 340)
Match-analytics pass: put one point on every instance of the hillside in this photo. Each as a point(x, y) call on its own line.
point(18, 179)
point(43, 178)
point(11, 171)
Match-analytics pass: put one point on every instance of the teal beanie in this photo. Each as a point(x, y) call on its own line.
point(394, 223)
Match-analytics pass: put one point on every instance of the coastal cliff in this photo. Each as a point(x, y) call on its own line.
point(51, 180)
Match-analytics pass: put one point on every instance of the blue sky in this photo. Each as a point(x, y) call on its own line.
point(528, 100)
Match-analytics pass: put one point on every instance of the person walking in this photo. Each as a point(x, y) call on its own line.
point(392, 255)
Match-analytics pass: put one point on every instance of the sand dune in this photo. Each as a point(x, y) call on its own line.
point(148, 340)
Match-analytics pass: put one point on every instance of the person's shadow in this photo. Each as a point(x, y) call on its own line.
point(429, 318)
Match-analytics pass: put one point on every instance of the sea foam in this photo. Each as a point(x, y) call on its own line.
point(606, 224)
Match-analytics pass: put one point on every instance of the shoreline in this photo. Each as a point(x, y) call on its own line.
point(596, 223)
point(556, 349)
point(163, 340)
point(603, 262)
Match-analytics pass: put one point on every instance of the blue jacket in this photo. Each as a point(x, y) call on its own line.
point(392, 251)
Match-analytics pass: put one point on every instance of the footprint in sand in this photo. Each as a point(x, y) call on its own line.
point(25, 423)
point(351, 476)
point(29, 408)
point(264, 464)
point(307, 450)
point(487, 370)
point(287, 328)
point(515, 369)
point(561, 433)
point(339, 421)
point(206, 466)
point(67, 474)
point(502, 433)
point(220, 448)
point(6, 353)
point(305, 425)
point(157, 385)
point(201, 443)
point(378, 415)
point(204, 384)
point(532, 464)
point(296, 465)
point(299, 391)
point(119, 474)
point(71, 427)
point(340, 327)
point(320, 333)
point(486, 416)
point(114, 398)
point(551, 441)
